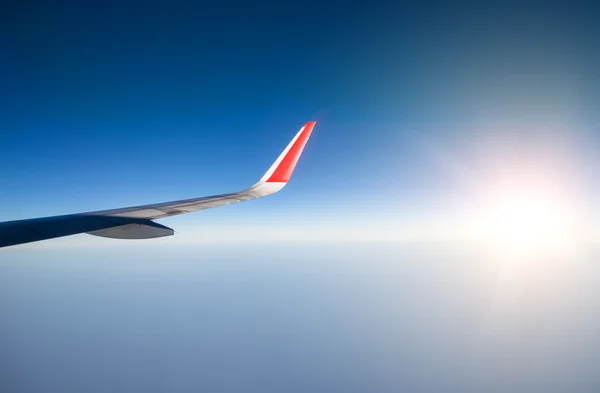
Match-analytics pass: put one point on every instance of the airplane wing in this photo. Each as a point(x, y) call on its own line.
point(136, 222)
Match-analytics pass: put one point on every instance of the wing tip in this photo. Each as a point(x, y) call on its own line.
point(285, 167)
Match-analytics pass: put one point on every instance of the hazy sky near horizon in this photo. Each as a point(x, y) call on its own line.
point(327, 317)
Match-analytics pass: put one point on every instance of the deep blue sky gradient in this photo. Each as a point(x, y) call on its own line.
point(177, 101)
point(114, 104)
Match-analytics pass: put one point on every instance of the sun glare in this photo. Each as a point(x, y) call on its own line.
point(525, 223)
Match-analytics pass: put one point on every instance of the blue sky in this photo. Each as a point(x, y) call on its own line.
point(110, 105)
point(436, 124)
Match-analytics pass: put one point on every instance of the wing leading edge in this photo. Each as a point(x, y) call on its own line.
point(136, 222)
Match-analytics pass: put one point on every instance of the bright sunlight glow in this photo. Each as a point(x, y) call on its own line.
point(525, 223)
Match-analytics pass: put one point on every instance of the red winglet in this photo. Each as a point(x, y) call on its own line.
point(288, 163)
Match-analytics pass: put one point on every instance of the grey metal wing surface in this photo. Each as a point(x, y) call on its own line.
point(137, 222)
